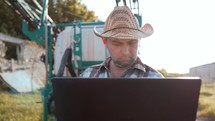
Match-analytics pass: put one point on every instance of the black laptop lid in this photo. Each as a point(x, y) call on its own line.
point(123, 99)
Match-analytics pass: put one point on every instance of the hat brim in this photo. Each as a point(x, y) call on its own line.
point(126, 33)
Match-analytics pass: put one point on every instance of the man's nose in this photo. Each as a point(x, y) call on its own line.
point(125, 50)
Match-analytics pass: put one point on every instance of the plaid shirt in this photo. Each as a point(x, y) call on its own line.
point(137, 70)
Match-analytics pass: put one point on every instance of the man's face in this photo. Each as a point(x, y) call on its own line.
point(122, 52)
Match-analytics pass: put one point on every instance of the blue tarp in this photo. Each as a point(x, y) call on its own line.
point(20, 81)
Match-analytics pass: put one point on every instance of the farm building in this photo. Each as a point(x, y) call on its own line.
point(25, 74)
point(205, 72)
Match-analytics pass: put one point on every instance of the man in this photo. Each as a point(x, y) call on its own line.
point(121, 36)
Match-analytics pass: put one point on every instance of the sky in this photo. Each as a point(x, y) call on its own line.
point(184, 32)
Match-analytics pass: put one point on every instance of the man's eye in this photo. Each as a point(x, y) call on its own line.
point(116, 44)
point(132, 43)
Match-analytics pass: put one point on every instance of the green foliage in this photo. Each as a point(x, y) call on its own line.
point(10, 22)
point(69, 11)
point(163, 72)
point(20, 107)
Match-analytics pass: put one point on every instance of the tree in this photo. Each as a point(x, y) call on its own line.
point(64, 11)
point(163, 71)
point(10, 22)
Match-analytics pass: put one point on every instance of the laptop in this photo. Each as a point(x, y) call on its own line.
point(126, 99)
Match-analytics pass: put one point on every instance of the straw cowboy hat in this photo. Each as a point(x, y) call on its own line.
point(122, 24)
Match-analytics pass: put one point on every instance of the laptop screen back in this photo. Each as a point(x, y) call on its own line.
point(123, 99)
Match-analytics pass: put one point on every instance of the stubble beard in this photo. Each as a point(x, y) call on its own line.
point(124, 64)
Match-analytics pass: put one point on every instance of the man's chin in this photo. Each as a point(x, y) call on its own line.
point(123, 65)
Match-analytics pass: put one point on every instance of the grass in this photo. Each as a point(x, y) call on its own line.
point(20, 107)
point(207, 101)
point(25, 107)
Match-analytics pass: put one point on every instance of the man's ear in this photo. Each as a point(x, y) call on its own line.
point(104, 40)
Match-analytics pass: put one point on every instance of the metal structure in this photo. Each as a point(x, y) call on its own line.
point(206, 72)
point(42, 24)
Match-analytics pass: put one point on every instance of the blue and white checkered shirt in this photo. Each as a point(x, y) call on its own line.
point(137, 70)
